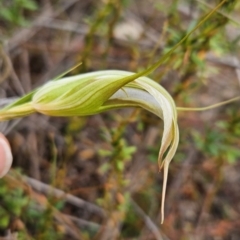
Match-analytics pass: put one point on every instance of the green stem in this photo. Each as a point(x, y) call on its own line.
point(165, 56)
point(209, 107)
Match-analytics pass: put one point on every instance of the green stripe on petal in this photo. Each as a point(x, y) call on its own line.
point(100, 91)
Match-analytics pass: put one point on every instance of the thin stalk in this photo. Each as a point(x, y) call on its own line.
point(165, 56)
point(210, 106)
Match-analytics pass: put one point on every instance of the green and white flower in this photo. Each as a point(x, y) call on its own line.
point(100, 91)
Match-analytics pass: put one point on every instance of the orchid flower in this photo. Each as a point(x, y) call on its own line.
point(97, 92)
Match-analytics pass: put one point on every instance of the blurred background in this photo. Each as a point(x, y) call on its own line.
point(97, 177)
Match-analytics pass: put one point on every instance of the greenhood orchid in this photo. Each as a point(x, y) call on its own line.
point(97, 92)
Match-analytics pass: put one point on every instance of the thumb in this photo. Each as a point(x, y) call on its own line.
point(5, 156)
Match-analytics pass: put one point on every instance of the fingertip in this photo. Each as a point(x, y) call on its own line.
point(5, 156)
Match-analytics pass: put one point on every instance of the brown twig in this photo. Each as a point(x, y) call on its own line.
point(25, 71)
point(148, 222)
point(47, 15)
point(6, 65)
point(46, 189)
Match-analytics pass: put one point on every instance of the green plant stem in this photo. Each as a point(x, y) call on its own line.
point(165, 56)
point(220, 12)
point(116, 9)
point(100, 17)
point(209, 107)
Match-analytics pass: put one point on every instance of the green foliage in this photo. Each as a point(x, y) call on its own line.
point(218, 141)
point(221, 141)
point(15, 203)
point(132, 225)
point(120, 154)
point(12, 203)
point(12, 11)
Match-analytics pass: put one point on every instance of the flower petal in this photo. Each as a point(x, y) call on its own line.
point(96, 92)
